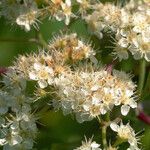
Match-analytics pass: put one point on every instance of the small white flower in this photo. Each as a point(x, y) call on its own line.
point(125, 132)
point(43, 74)
point(125, 109)
point(3, 141)
point(89, 145)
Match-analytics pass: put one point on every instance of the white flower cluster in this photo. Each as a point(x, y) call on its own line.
point(92, 145)
point(17, 123)
point(126, 133)
point(23, 13)
point(134, 33)
point(89, 145)
point(27, 12)
point(64, 11)
point(89, 94)
point(104, 17)
point(130, 23)
point(45, 67)
point(72, 47)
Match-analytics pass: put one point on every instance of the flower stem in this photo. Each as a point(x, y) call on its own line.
point(32, 40)
point(104, 138)
point(141, 76)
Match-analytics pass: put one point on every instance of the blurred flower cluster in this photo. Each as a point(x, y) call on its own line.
point(129, 23)
point(17, 122)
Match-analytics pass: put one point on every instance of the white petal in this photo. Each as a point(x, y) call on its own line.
point(16, 140)
point(125, 109)
point(114, 127)
point(59, 16)
point(68, 2)
point(33, 76)
point(49, 70)
point(2, 141)
point(79, 1)
point(94, 145)
point(133, 104)
point(42, 83)
point(129, 93)
point(67, 20)
point(95, 88)
point(50, 81)
point(27, 27)
point(103, 110)
point(123, 43)
point(37, 66)
point(95, 100)
point(86, 107)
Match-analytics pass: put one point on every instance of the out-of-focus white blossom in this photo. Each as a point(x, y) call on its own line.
point(17, 123)
point(126, 133)
point(23, 13)
point(134, 35)
point(89, 145)
point(104, 16)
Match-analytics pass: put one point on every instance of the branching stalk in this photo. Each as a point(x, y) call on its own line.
point(141, 77)
point(104, 137)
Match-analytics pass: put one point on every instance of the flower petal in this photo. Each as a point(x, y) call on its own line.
point(114, 126)
point(125, 109)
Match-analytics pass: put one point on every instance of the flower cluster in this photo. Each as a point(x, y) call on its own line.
point(72, 48)
point(126, 133)
point(59, 9)
point(74, 86)
point(27, 12)
point(92, 93)
point(86, 92)
point(23, 13)
point(92, 145)
point(134, 34)
point(89, 145)
point(45, 67)
point(17, 123)
point(130, 24)
point(104, 17)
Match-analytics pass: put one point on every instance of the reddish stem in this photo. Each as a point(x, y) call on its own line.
point(109, 67)
point(2, 70)
point(145, 118)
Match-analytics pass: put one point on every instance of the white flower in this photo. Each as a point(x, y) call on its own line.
point(65, 12)
point(3, 141)
point(89, 145)
point(125, 132)
point(41, 73)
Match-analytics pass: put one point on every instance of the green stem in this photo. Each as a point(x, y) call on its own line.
point(141, 76)
point(104, 138)
point(32, 40)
